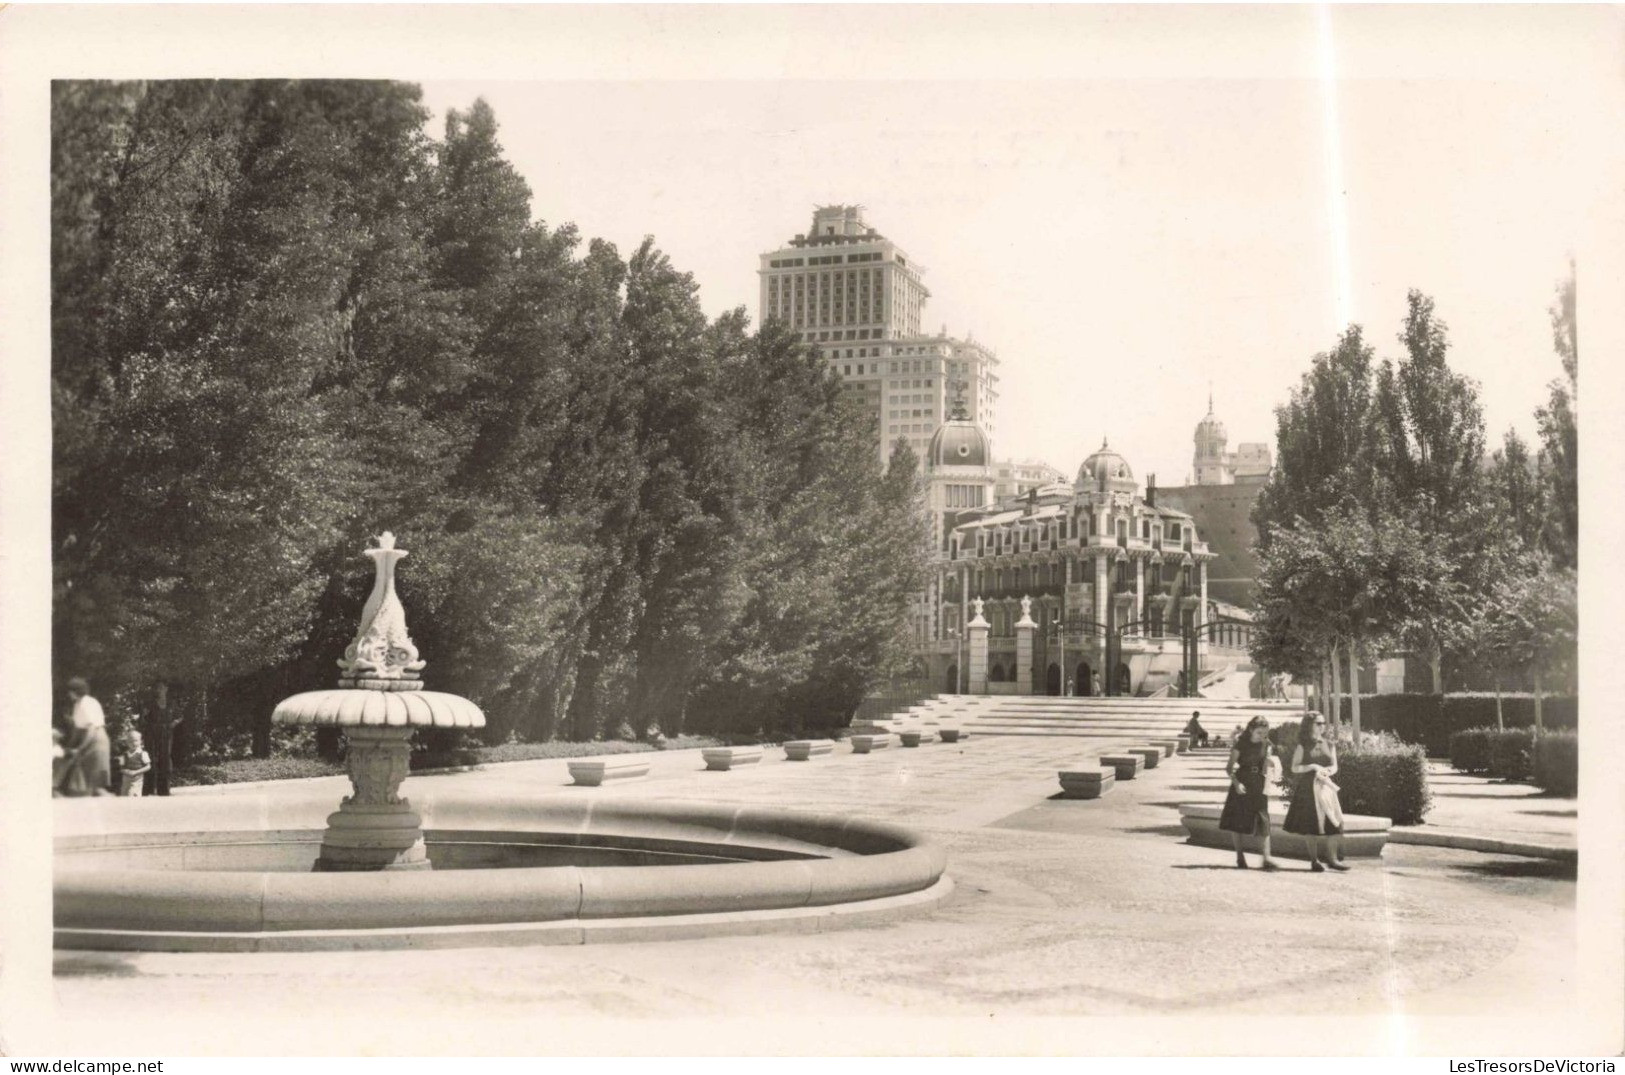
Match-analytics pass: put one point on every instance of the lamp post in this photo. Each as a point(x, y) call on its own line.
point(1060, 641)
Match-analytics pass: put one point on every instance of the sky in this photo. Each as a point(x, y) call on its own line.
point(1122, 243)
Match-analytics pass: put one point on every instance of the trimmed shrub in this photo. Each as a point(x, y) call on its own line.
point(1556, 762)
point(1385, 777)
point(1509, 753)
point(1380, 776)
point(1470, 749)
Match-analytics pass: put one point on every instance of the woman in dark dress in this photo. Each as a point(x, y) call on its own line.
point(1315, 812)
point(1247, 807)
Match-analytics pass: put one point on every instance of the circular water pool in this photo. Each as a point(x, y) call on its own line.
point(537, 871)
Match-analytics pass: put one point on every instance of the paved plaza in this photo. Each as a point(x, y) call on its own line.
point(1061, 909)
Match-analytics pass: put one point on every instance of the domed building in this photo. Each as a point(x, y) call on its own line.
point(1110, 577)
point(960, 475)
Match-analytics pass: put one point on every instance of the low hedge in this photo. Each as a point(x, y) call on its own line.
point(441, 755)
point(1379, 775)
point(1431, 719)
point(1556, 762)
point(1470, 749)
point(244, 770)
point(1510, 750)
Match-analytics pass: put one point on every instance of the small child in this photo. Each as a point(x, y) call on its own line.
point(60, 762)
point(133, 765)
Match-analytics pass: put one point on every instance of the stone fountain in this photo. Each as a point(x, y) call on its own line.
point(251, 872)
point(378, 703)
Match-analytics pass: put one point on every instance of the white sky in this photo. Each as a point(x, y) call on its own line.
point(1120, 242)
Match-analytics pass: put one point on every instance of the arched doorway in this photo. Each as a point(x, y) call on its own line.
point(1124, 681)
point(1084, 685)
point(997, 675)
point(953, 679)
point(1052, 679)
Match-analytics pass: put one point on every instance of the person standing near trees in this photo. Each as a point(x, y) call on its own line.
point(159, 731)
point(1247, 807)
point(1315, 813)
point(89, 747)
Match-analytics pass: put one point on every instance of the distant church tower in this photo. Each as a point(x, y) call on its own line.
point(1213, 462)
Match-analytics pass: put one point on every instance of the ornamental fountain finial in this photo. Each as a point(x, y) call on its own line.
point(382, 657)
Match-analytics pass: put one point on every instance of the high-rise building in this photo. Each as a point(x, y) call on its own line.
point(843, 281)
point(857, 297)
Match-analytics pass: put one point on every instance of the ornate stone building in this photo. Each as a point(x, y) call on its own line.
point(1079, 587)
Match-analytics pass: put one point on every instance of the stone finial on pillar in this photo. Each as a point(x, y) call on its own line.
point(1024, 648)
point(977, 629)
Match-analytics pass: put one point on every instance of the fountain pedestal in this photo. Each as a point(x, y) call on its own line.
point(375, 829)
point(379, 702)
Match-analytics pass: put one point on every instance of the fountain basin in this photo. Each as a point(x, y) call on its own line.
point(540, 870)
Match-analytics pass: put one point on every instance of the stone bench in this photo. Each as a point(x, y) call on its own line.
point(1152, 755)
point(591, 773)
point(1127, 765)
point(1184, 742)
point(807, 749)
point(950, 735)
point(863, 744)
point(1364, 836)
point(1087, 781)
point(721, 759)
point(1170, 747)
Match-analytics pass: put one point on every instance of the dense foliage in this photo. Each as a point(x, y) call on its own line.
point(1556, 762)
point(1385, 527)
point(1470, 750)
point(285, 318)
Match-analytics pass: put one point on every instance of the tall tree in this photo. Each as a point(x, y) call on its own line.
point(1559, 431)
point(1515, 486)
point(1326, 440)
point(1432, 455)
point(194, 309)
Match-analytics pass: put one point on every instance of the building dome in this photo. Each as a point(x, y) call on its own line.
point(1104, 468)
point(958, 442)
point(1210, 430)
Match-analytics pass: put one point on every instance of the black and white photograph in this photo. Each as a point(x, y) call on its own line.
point(758, 530)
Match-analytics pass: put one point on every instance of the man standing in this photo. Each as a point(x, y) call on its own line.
point(159, 733)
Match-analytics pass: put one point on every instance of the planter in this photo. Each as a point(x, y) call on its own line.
point(1363, 836)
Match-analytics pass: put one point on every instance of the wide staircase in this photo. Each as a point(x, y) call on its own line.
point(1116, 719)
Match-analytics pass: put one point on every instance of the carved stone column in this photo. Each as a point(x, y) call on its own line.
point(1024, 648)
point(374, 828)
point(977, 631)
point(1101, 596)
